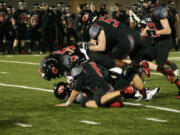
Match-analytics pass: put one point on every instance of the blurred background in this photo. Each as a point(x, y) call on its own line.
point(109, 3)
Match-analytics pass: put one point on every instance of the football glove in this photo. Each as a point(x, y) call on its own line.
point(83, 45)
point(151, 33)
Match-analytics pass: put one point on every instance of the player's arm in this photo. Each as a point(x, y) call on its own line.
point(177, 19)
point(72, 97)
point(166, 30)
point(101, 42)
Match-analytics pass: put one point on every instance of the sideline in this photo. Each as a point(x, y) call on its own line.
point(126, 103)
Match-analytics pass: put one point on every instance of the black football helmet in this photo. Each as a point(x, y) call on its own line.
point(77, 58)
point(68, 9)
point(51, 68)
point(151, 3)
point(61, 90)
point(171, 2)
point(68, 61)
point(2, 3)
point(22, 4)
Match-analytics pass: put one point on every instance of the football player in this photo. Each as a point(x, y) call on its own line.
point(35, 28)
point(115, 41)
point(21, 18)
point(3, 25)
point(173, 17)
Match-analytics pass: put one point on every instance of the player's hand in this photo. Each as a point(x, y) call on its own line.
point(83, 45)
point(144, 33)
point(62, 105)
point(151, 33)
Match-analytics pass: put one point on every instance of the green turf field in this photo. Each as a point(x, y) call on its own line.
point(36, 108)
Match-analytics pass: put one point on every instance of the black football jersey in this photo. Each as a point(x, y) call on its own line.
point(172, 15)
point(21, 16)
point(90, 77)
point(70, 21)
point(3, 17)
point(115, 31)
point(35, 19)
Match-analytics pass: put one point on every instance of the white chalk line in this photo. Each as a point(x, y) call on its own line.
point(153, 107)
point(3, 72)
point(19, 62)
point(90, 122)
point(127, 103)
point(23, 125)
point(156, 120)
point(25, 87)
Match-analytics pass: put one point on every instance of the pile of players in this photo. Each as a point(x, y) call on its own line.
point(91, 84)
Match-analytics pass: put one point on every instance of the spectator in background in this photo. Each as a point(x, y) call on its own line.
point(10, 33)
point(173, 19)
point(68, 22)
point(21, 17)
point(103, 10)
point(119, 14)
point(35, 28)
point(48, 28)
point(93, 9)
point(77, 25)
point(59, 20)
point(3, 23)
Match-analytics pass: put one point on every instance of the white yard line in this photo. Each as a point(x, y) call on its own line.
point(3, 72)
point(25, 87)
point(156, 120)
point(9, 56)
point(89, 122)
point(174, 58)
point(23, 125)
point(19, 62)
point(153, 107)
point(174, 52)
point(154, 73)
point(127, 103)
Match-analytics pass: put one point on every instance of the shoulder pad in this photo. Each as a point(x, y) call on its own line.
point(76, 71)
point(94, 31)
point(161, 12)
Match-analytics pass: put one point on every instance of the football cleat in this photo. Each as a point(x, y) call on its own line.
point(174, 68)
point(151, 93)
point(138, 95)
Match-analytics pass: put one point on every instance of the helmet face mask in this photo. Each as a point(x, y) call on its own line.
point(148, 4)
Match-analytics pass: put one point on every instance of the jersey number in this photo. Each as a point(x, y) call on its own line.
point(35, 20)
point(152, 26)
point(114, 22)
